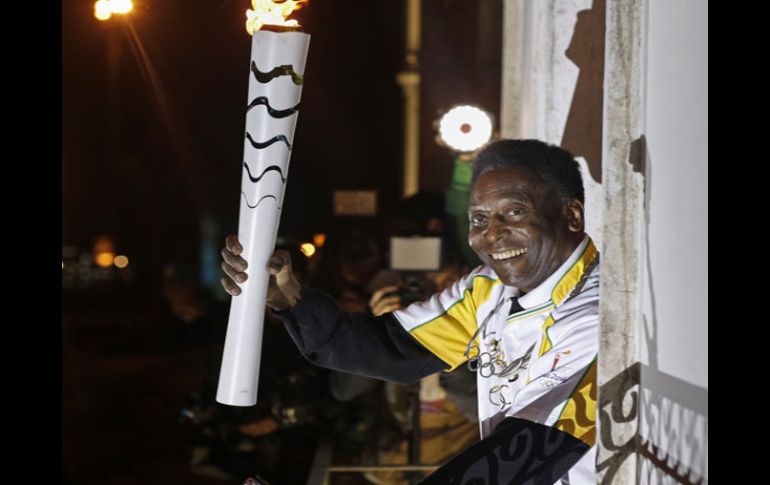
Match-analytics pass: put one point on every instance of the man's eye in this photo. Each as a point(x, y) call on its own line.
point(517, 211)
point(478, 220)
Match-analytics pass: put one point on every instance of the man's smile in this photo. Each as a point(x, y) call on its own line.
point(511, 253)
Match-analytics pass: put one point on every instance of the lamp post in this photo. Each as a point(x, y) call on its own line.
point(104, 10)
point(112, 10)
point(409, 80)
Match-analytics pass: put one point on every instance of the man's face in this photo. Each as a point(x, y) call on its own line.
point(521, 227)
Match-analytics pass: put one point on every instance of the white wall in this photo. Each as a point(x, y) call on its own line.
point(654, 296)
point(674, 338)
point(539, 82)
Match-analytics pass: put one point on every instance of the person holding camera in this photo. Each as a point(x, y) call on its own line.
point(447, 400)
point(526, 320)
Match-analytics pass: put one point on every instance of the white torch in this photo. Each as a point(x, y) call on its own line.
point(278, 53)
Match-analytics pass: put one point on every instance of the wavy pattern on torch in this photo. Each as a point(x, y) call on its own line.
point(286, 70)
point(275, 113)
point(271, 168)
point(260, 200)
point(265, 144)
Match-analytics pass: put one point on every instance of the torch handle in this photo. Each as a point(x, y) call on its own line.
point(275, 86)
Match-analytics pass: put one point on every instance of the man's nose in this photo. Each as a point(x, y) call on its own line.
point(496, 230)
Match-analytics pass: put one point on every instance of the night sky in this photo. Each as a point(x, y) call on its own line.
point(153, 113)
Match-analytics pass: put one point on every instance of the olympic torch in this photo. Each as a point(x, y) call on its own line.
point(278, 54)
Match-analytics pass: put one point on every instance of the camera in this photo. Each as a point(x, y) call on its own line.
point(413, 257)
point(415, 254)
point(416, 288)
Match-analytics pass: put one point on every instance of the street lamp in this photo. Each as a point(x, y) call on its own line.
point(464, 130)
point(103, 9)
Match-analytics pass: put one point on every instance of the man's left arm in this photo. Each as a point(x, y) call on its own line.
point(356, 343)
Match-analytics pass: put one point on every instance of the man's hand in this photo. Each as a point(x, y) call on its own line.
point(384, 301)
point(283, 292)
point(233, 265)
point(283, 289)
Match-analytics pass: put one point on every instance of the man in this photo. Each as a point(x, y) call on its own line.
point(526, 321)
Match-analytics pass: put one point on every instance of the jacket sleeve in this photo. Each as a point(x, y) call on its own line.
point(446, 322)
point(358, 343)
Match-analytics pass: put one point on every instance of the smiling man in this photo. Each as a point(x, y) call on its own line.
point(526, 322)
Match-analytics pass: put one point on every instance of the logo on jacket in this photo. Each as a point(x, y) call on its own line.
point(558, 356)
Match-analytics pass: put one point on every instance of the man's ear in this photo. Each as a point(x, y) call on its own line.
point(575, 214)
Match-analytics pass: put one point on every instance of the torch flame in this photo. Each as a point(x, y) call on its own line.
point(268, 12)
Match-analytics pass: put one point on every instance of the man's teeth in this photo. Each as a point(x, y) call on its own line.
point(509, 254)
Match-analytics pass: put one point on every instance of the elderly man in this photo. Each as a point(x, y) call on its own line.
point(526, 321)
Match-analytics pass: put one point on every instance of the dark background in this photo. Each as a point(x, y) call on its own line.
point(153, 113)
point(142, 161)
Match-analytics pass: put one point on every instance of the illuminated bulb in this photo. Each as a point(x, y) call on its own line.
point(102, 10)
point(319, 239)
point(104, 259)
point(307, 249)
point(120, 261)
point(465, 128)
point(121, 6)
